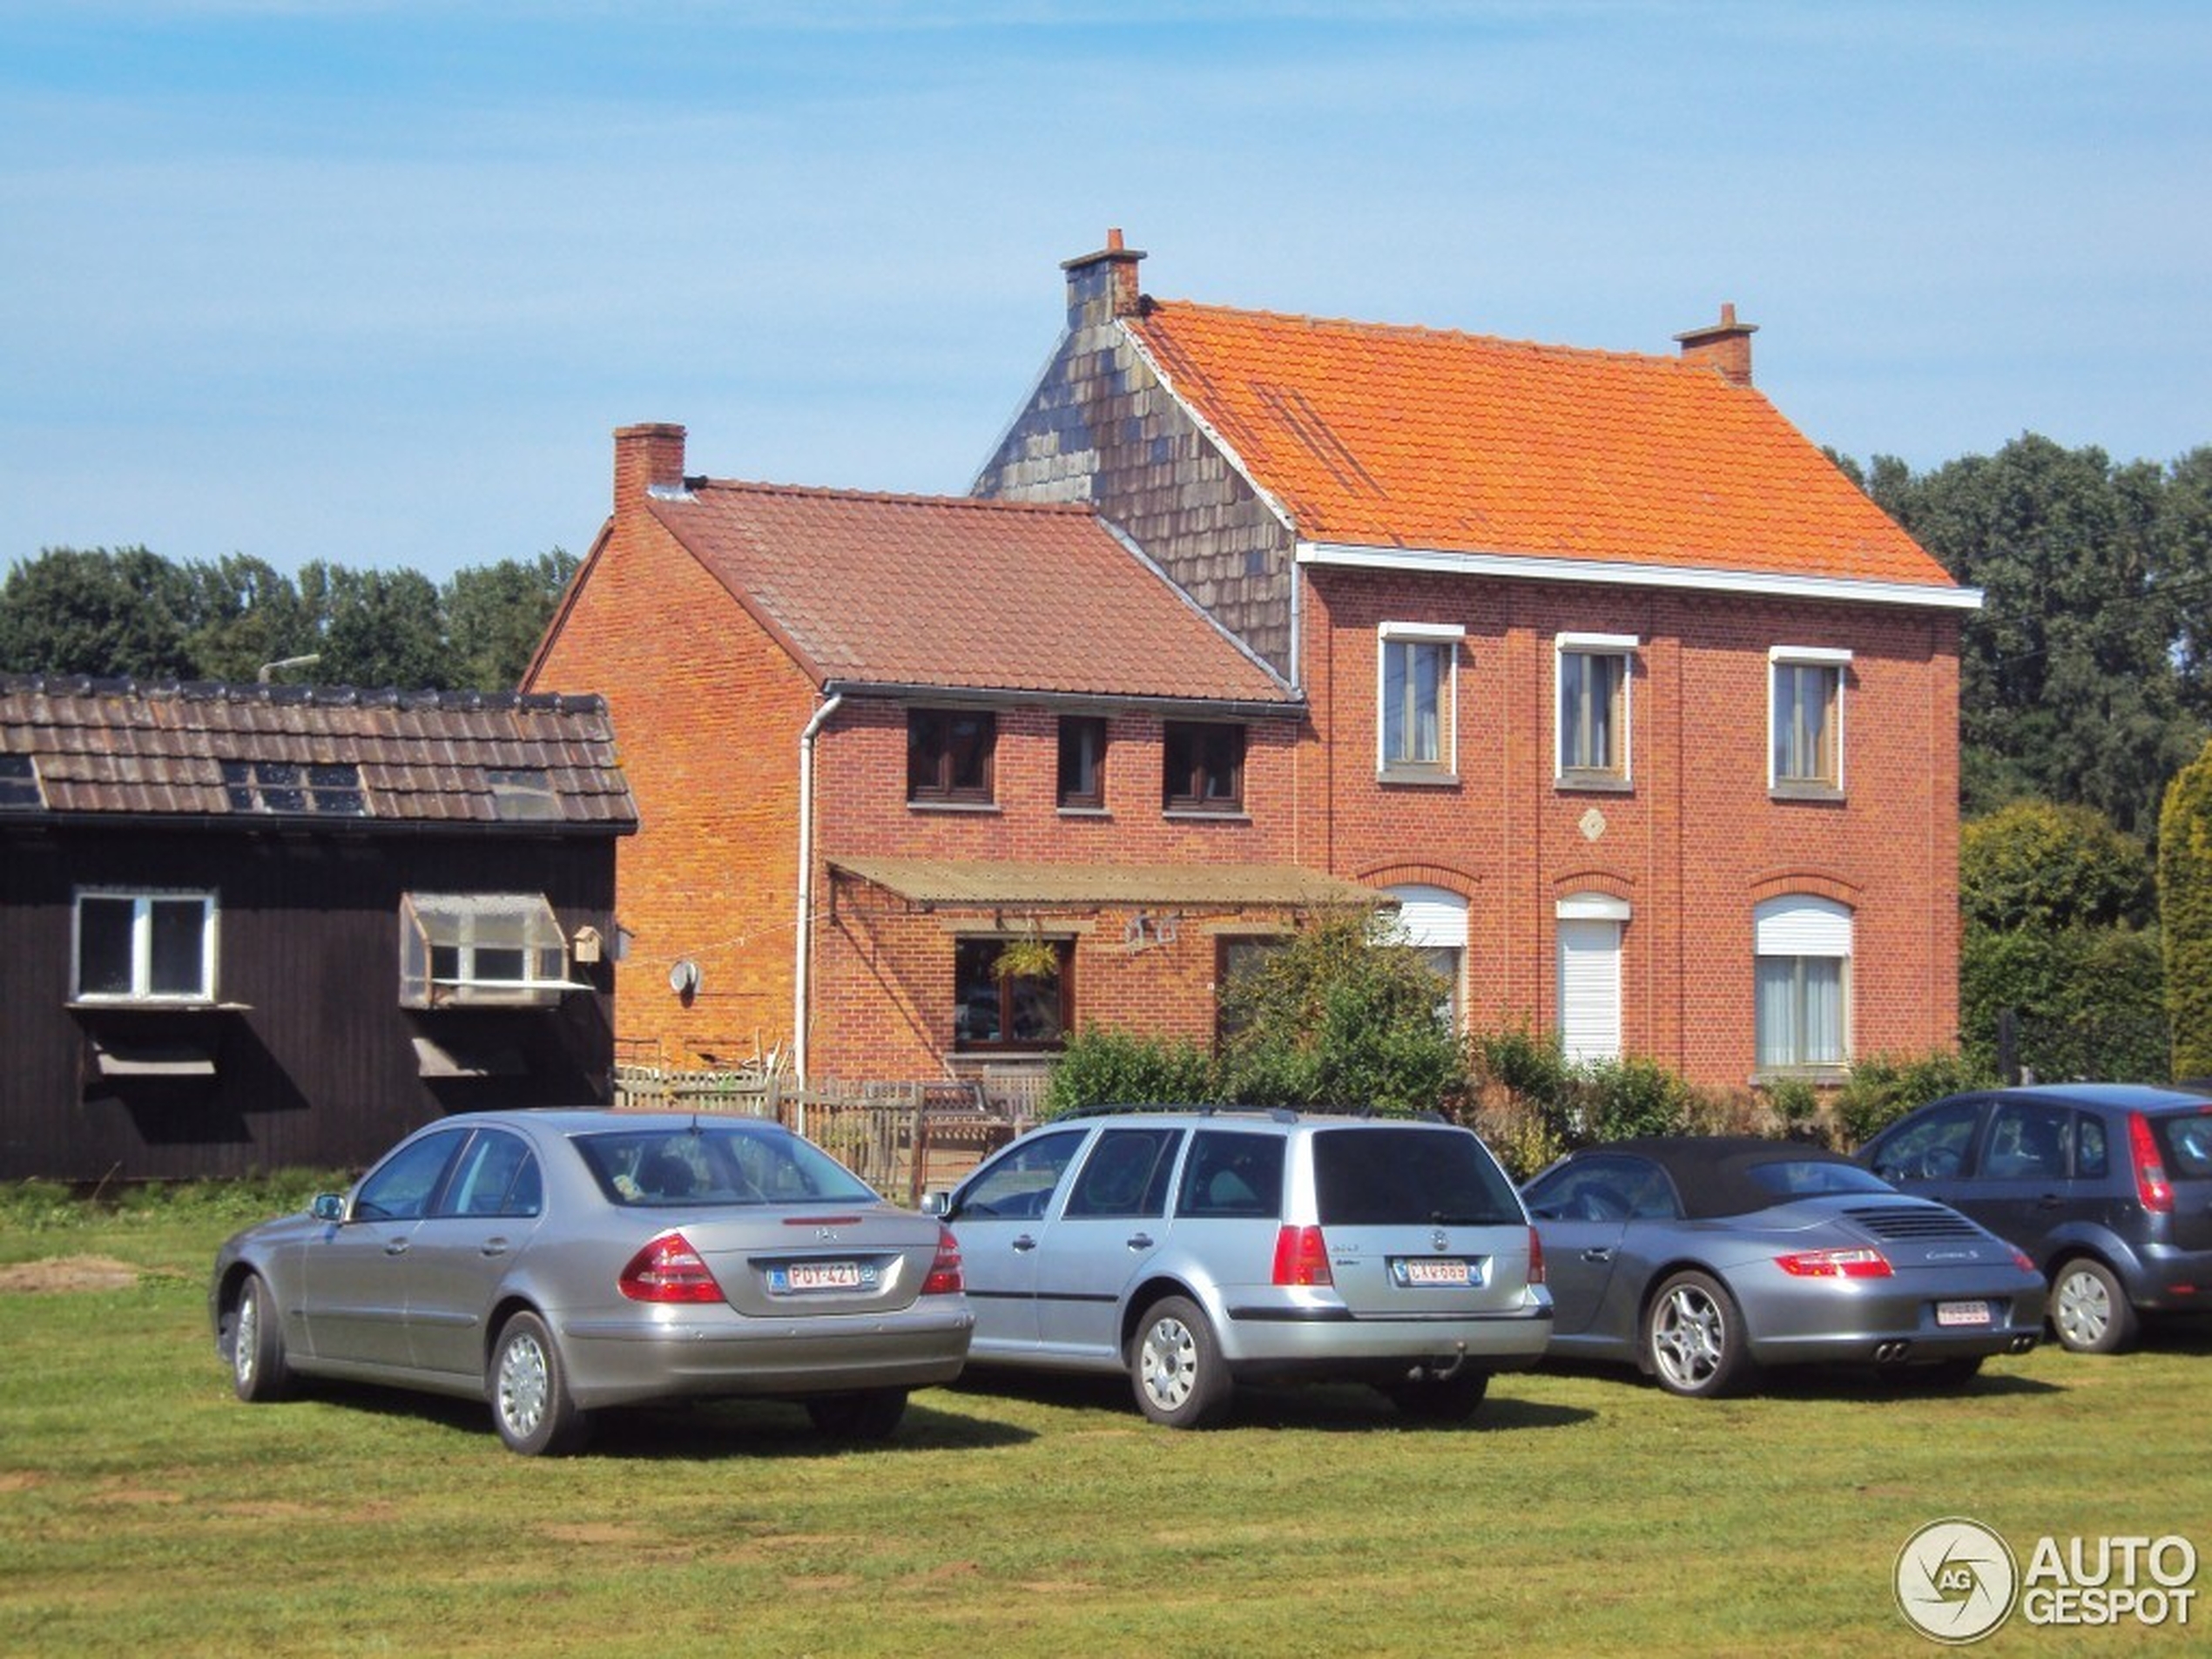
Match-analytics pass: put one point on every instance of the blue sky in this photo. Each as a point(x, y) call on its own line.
point(374, 283)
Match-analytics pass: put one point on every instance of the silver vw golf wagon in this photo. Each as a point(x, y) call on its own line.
point(1191, 1249)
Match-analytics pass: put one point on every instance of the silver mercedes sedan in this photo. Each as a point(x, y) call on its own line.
point(553, 1262)
point(1703, 1258)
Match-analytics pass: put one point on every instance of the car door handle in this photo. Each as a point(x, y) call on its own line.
point(2049, 1200)
point(1025, 1242)
point(1600, 1254)
point(395, 1247)
point(493, 1247)
point(1140, 1241)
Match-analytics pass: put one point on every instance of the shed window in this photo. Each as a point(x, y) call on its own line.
point(19, 783)
point(294, 786)
point(146, 946)
point(479, 949)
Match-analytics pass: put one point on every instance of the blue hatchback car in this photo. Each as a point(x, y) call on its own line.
point(2107, 1186)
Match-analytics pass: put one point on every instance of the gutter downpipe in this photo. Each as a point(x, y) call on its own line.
point(805, 940)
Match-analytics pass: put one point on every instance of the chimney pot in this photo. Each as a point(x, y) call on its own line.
point(1724, 345)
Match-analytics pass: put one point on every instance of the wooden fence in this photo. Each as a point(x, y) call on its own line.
point(902, 1138)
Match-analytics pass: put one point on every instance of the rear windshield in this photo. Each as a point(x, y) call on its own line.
point(2185, 1141)
point(715, 1165)
point(1793, 1179)
point(1379, 1176)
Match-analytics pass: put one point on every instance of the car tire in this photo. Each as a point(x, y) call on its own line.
point(1693, 1339)
point(2089, 1308)
point(1450, 1399)
point(1176, 1367)
point(255, 1345)
point(529, 1389)
point(873, 1415)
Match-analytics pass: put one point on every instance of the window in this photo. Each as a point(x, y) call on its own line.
point(1126, 1174)
point(1414, 692)
point(948, 756)
point(400, 1188)
point(1589, 926)
point(1229, 1174)
point(146, 946)
point(1001, 1001)
point(482, 949)
point(19, 783)
point(1592, 713)
point(1204, 769)
point(497, 1176)
point(1803, 1014)
point(294, 786)
point(1433, 922)
point(1019, 1186)
point(1806, 750)
point(1082, 764)
point(523, 793)
point(1933, 1147)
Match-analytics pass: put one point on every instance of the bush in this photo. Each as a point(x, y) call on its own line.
point(1621, 1098)
point(2087, 1002)
point(2185, 915)
point(2044, 866)
point(1795, 1106)
point(1108, 1068)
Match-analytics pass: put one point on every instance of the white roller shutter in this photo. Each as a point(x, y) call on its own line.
point(1799, 925)
point(1435, 918)
point(1589, 988)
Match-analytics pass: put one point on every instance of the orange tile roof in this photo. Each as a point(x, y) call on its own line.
point(944, 591)
point(1376, 436)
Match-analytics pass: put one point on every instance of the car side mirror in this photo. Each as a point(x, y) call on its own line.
point(328, 1206)
point(937, 1203)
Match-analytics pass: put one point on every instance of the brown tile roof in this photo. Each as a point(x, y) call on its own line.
point(1385, 436)
point(221, 751)
point(932, 591)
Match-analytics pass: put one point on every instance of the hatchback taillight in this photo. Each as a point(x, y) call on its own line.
point(1835, 1263)
point(1302, 1257)
point(944, 1272)
point(669, 1270)
point(2152, 1188)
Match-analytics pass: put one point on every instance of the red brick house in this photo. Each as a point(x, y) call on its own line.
point(1647, 715)
point(876, 740)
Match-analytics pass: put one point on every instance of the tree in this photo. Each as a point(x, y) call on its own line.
point(378, 628)
point(2036, 865)
point(94, 612)
point(1342, 1016)
point(496, 614)
point(245, 614)
point(2185, 911)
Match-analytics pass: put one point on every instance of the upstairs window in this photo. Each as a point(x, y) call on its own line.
point(1082, 764)
point(1593, 713)
point(948, 756)
point(146, 946)
point(1806, 700)
point(294, 786)
point(1204, 767)
point(482, 949)
point(1415, 677)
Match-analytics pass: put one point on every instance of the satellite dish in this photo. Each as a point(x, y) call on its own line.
point(684, 978)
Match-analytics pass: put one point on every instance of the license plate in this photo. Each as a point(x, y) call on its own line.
point(801, 1277)
point(1436, 1271)
point(1962, 1313)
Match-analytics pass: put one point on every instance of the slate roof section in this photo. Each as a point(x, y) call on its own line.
point(1376, 436)
point(424, 758)
point(953, 592)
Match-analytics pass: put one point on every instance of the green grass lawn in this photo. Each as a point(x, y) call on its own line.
point(143, 1508)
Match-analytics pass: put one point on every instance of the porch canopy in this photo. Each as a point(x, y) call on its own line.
point(932, 882)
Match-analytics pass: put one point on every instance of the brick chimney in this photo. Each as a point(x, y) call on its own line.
point(646, 457)
point(1725, 345)
point(1103, 285)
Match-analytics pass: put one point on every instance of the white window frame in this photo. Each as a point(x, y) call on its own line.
point(1838, 663)
point(467, 924)
point(1624, 646)
point(1583, 911)
point(1448, 635)
point(1798, 927)
point(143, 900)
point(1432, 921)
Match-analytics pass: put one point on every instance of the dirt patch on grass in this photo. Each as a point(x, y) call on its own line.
point(62, 1273)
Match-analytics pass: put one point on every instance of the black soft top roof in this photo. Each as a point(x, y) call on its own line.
point(1712, 1173)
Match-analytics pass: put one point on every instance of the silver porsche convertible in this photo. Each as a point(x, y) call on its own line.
point(553, 1262)
point(1703, 1258)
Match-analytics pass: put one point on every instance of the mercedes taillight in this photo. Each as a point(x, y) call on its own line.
point(669, 1270)
point(945, 1271)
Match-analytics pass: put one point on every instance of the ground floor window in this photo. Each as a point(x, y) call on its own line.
point(1012, 992)
point(1589, 926)
point(146, 946)
point(1802, 995)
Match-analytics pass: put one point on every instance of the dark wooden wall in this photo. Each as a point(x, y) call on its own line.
point(317, 1067)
